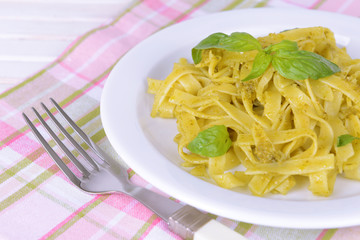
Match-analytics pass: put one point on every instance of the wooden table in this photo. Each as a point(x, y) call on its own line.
point(34, 32)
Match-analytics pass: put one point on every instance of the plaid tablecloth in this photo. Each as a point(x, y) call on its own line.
point(37, 201)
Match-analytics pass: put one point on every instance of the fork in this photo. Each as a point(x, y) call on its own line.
point(100, 174)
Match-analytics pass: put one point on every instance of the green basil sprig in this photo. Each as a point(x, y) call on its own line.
point(285, 56)
point(283, 45)
point(236, 42)
point(261, 63)
point(345, 139)
point(299, 65)
point(212, 142)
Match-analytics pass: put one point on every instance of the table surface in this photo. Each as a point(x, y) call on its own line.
point(34, 32)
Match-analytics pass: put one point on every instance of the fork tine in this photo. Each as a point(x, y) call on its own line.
point(71, 139)
point(81, 133)
point(73, 178)
point(67, 152)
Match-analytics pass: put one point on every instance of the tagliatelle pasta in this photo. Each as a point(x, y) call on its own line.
point(281, 129)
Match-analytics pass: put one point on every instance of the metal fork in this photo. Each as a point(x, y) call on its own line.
point(102, 175)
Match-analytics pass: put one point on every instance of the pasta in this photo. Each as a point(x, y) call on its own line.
point(282, 130)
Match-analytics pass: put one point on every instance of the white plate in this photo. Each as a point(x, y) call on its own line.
point(146, 144)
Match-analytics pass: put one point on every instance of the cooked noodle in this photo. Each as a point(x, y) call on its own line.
point(280, 128)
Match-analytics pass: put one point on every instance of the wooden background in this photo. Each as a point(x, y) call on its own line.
point(34, 32)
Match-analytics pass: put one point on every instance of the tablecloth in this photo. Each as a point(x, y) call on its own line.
point(37, 201)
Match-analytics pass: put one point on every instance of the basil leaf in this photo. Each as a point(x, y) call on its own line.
point(283, 45)
point(300, 65)
point(345, 139)
point(212, 41)
point(196, 55)
point(237, 41)
point(261, 63)
point(284, 56)
point(212, 142)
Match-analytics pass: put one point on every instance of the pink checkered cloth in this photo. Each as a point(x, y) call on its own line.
point(37, 201)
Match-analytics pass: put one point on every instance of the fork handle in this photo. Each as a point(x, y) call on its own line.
point(160, 205)
point(186, 221)
point(190, 223)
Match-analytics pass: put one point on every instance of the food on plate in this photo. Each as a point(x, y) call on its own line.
point(266, 112)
